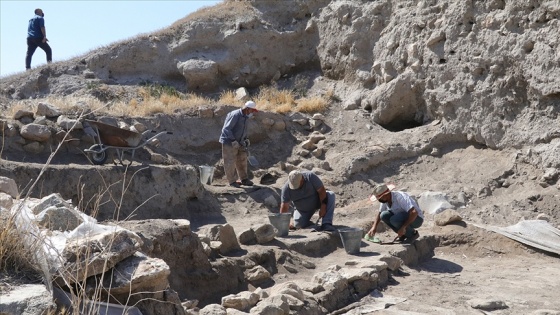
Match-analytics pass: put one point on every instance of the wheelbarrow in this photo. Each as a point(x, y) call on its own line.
point(121, 140)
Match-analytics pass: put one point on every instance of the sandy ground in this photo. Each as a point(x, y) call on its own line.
point(472, 265)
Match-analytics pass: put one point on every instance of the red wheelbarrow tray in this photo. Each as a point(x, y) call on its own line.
point(115, 136)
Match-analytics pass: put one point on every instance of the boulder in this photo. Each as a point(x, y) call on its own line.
point(8, 186)
point(35, 132)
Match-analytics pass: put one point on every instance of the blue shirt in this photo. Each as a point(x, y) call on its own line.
point(235, 127)
point(305, 198)
point(401, 202)
point(34, 28)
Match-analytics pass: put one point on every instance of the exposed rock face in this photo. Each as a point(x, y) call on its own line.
point(485, 69)
point(173, 186)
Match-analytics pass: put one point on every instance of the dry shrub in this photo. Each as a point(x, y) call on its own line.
point(272, 99)
point(20, 105)
point(225, 11)
point(228, 98)
point(311, 105)
point(14, 255)
point(283, 109)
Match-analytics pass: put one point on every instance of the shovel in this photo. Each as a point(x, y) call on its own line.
point(252, 159)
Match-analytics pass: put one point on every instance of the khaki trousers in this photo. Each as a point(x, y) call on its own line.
point(234, 160)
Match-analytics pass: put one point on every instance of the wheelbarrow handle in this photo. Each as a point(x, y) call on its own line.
point(167, 132)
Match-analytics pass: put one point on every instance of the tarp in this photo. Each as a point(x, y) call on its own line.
point(536, 233)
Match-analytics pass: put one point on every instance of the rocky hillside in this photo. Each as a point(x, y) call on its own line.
point(460, 98)
point(487, 69)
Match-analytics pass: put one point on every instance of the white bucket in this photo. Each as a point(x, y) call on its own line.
point(206, 174)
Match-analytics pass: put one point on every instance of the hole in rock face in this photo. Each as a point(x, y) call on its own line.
point(400, 124)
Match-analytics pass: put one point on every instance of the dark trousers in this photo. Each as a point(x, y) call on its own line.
point(396, 221)
point(32, 44)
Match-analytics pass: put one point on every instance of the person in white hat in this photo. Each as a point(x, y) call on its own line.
point(308, 194)
point(399, 211)
point(234, 144)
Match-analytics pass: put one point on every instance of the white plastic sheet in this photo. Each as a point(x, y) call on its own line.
point(536, 233)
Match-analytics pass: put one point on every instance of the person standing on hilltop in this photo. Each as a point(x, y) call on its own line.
point(37, 37)
point(399, 211)
point(234, 144)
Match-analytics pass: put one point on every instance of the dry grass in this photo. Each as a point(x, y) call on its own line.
point(14, 256)
point(146, 101)
point(312, 105)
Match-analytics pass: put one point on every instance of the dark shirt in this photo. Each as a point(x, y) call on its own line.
point(306, 198)
point(34, 28)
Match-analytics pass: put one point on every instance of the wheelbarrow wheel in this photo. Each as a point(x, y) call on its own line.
point(99, 157)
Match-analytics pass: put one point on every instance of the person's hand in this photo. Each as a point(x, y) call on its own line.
point(235, 144)
point(401, 231)
point(323, 210)
point(371, 232)
point(292, 226)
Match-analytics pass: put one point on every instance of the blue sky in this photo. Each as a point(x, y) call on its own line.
point(76, 27)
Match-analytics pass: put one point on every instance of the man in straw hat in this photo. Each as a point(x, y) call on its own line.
point(234, 144)
point(399, 211)
point(308, 194)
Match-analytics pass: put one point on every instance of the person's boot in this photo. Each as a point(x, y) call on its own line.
point(414, 236)
point(246, 182)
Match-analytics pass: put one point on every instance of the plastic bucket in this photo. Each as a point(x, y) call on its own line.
point(206, 174)
point(351, 239)
point(281, 221)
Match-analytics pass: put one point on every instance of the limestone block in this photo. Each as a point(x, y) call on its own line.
point(52, 200)
point(242, 94)
point(22, 113)
point(241, 301)
point(89, 256)
point(273, 305)
point(315, 137)
point(27, 299)
point(47, 110)
point(222, 233)
point(247, 237)
point(308, 145)
point(353, 274)
point(330, 278)
point(59, 219)
point(290, 288)
point(447, 216)
point(67, 123)
point(264, 233)
point(6, 201)
point(35, 132)
point(8, 186)
point(137, 273)
point(257, 273)
point(213, 309)
point(393, 263)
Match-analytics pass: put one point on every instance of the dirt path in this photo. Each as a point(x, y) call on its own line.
point(490, 268)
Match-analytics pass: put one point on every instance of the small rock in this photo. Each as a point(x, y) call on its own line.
point(446, 217)
point(487, 305)
point(544, 217)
